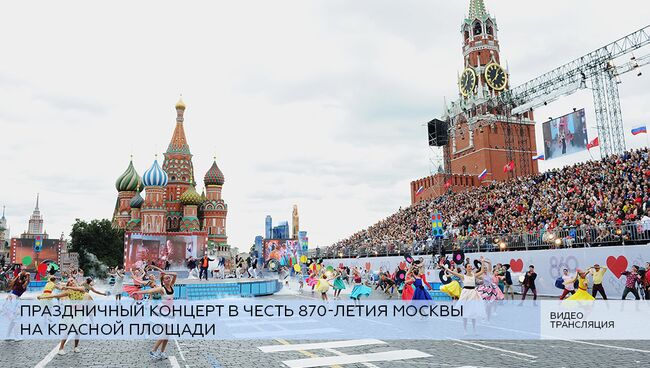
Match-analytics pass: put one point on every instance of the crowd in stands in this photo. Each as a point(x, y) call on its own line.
point(594, 202)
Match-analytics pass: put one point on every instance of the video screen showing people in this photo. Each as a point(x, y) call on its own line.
point(142, 249)
point(286, 252)
point(565, 135)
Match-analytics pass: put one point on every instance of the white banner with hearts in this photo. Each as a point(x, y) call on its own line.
point(548, 264)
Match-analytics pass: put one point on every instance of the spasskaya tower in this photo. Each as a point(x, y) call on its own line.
point(482, 137)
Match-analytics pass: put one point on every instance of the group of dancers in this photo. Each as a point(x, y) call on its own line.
point(72, 285)
point(411, 283)
point(476, 288)
point(637, 283)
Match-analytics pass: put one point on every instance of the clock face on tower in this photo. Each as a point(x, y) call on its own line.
point(467, 81)
point(496, 77)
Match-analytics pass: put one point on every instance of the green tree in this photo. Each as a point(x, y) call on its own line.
point(99, 245)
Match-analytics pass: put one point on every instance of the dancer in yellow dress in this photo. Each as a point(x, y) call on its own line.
point(581, 292)
point(50, 286)
point(453, 289)
point(73, 292)
point(323, 286)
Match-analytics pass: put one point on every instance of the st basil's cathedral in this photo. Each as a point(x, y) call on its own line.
point(171, 203)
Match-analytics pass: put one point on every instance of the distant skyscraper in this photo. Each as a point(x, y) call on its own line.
point(281, 231)
point(284, 229)
point(295, 222)
point(35, 223)
point(5, 236)
point(268, 234)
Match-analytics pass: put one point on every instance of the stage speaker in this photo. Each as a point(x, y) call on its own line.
point(438, 135)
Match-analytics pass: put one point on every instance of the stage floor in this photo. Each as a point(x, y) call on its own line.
point(196, 289)
point(221, 281)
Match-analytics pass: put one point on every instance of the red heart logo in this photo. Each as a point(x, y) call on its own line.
point(341, 265)
point(368, 265)
point(402, 265)
point(617, 265)
point(516, 265)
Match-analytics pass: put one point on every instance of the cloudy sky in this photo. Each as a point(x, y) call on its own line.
point(314, 103)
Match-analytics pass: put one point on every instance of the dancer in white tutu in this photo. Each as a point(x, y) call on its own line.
point(166, 293)
point(470, 299)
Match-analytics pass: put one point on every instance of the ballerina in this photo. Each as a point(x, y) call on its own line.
point(117, 282)
point(138, 277)
point(89, 286)
point(166, 293)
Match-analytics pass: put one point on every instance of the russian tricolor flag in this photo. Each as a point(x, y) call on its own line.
point(639, 130)
point(482, 175)
point(420, 190)
point(538, 157)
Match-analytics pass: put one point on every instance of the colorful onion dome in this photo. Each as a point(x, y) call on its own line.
point(214, 176)
point(203, 197)
point(155, 176)
point(136, 201)
point(191, 197)
point(129, 181)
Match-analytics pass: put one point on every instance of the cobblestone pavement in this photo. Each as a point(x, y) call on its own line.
point(402, 353)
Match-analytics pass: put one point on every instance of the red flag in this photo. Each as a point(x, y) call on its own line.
point(593, 143)
point(510, 166)
point(448, 184)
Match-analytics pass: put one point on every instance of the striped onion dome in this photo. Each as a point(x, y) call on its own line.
point(129, 181)
point(155, 176)
point(191, 197)
point(214, 176)
point(136, 201)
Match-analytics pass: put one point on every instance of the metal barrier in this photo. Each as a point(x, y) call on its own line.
point(630, 233)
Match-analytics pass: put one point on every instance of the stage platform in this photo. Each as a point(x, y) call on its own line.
point(193, 289)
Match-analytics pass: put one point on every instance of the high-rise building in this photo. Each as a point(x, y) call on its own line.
point(281, 231)
point(5, 234)
point(295, 228)
point(35, 227)
point(481, 137)
point(268, 233)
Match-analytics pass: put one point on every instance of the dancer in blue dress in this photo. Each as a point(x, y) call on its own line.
point(421, 292)
point(359, 288)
